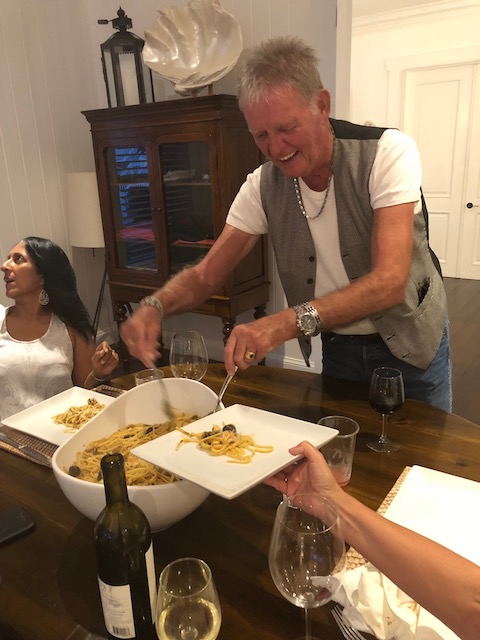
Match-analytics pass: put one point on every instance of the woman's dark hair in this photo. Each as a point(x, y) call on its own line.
point(60, 283)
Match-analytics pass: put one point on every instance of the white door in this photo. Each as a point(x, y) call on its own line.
point(469, 258)
point(442, 113)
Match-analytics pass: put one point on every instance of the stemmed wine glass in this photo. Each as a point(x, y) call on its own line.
point(307, 553)
point(188, 607)
point(188, 355)
point(386, 396)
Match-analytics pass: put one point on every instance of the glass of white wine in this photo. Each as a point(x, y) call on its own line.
point(188, 355)
point(188, 607)
point(307, 553)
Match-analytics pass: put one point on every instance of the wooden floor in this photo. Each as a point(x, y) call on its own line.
point(464, 312)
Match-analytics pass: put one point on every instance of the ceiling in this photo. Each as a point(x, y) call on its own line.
point(369, 7)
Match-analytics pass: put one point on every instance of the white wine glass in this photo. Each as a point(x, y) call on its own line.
point(307, 553)
point(188, 355)
point(188, 607)
point(386, 395)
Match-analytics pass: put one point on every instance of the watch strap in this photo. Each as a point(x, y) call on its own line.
point(153, 301)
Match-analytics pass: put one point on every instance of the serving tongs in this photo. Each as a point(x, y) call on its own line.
point(29, 451)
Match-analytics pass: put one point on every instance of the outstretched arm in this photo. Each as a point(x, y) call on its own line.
point(184, 292)
point(382, 288)
point(438, 579)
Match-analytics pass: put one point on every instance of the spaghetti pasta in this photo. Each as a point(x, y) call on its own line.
point(226, 441)
point(137, 471)
point(75, 417)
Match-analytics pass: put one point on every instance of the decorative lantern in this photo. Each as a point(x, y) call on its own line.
point(127, 79)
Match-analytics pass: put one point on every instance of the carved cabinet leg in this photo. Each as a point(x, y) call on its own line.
point(120, 312)
point(260, 311)
point(228, 324)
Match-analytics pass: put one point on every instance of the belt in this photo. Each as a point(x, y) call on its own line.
point(369, 338)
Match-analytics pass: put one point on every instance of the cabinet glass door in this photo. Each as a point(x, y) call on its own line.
point(131, 207)
point(187, 191)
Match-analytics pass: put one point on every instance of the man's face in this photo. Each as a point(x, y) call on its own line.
point(291, 133)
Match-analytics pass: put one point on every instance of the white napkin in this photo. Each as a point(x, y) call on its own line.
point(374, 604)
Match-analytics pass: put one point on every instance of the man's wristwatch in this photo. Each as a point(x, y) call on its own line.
point(153, 301)
point(308, 320)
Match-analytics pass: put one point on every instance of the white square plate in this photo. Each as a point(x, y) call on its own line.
point(37, 420)
point(228, 479)
point(442, 507)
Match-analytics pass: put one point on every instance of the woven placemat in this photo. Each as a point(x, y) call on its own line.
point(355, 559)
point(41, 446)
point(27, 440)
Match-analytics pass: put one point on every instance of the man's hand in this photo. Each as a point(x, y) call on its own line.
point(249, 343)
point(141, 334)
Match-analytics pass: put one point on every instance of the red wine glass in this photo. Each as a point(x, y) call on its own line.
point(386, 396)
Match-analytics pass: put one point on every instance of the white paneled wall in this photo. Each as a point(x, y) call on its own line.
point(50, 71)
point(45, 78)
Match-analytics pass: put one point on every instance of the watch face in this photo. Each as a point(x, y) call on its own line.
point(308, 322)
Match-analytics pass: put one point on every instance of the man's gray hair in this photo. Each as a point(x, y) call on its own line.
point(281, 61)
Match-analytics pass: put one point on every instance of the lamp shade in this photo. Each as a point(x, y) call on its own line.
point(83, 211)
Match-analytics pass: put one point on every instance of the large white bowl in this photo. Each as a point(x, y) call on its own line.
point(163, 505)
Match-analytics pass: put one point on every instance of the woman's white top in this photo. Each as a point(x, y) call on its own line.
point(32, 371)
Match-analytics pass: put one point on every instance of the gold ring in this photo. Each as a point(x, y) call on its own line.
point(249, 355)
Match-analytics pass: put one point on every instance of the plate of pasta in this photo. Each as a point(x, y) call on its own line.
point(234, 449)
point(56, 419)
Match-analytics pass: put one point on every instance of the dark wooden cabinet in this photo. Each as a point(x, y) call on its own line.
point(167, 174)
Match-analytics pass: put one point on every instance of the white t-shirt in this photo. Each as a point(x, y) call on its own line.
point(34, 370)
point(395, 178)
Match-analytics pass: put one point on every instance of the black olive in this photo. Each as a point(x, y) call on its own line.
point(207, 434)
point(74, 471)
point(229, 427)
point(149, 430)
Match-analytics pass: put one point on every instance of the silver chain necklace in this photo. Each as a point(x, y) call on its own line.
point(327, 190)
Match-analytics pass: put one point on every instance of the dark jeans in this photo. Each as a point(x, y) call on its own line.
point(345, 358)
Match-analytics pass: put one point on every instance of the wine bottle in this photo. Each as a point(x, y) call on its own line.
point(125, 562)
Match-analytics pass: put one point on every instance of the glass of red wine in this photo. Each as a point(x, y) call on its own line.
point(386, 396)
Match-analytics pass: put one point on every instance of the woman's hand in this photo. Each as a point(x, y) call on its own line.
point(310, 475)
point(104, 361)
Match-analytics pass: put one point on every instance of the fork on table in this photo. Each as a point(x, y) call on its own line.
point(349, 632)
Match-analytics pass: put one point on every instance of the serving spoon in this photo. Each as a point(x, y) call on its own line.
point(221, 393)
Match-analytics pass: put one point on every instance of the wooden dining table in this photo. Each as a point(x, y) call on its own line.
point(48, 584)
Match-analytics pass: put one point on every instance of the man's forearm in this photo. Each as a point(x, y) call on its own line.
point(184, 291)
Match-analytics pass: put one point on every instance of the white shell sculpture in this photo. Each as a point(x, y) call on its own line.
point(194, 45)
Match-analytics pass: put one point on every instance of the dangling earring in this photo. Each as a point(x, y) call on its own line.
point(43, 298)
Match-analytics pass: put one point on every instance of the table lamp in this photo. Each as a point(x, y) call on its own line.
point(85, 222)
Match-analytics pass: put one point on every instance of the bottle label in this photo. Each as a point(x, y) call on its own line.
point(117, 602)
point(152, 582)
point(117, 610)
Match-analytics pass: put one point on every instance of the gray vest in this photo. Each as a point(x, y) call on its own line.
point(412, 329)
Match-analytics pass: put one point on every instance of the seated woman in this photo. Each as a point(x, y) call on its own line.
point(46, 337)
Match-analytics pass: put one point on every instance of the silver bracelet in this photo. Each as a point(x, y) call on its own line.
point(98, 379)
point(153, 301)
